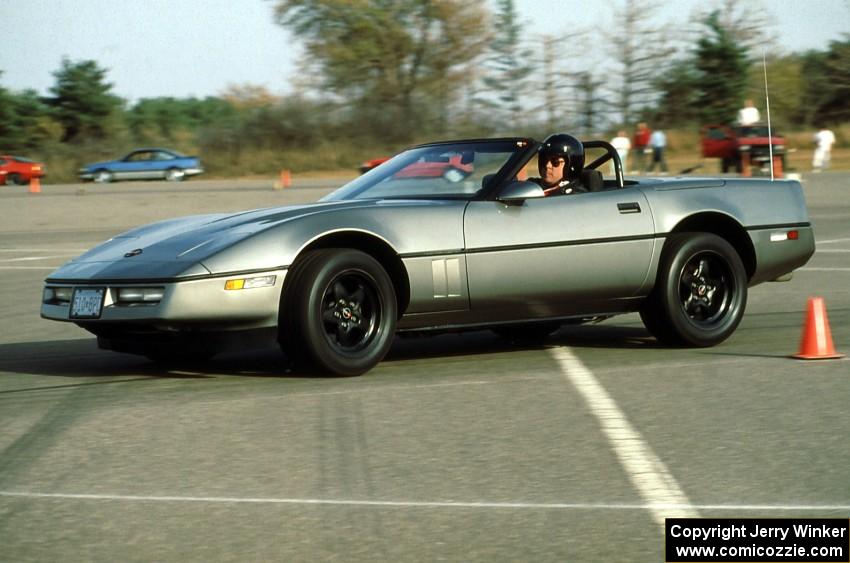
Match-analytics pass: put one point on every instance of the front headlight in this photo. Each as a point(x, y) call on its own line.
point(130, 295)
point(56, 295)
point(745, 147)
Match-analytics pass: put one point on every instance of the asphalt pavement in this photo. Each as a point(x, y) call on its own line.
point(460, 447)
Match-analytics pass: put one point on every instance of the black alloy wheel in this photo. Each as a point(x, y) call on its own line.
point(700, 294)
point(351, 311)
point(338, 312)
point(705, 286)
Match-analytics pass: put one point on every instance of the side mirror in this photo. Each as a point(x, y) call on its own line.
point(518, 191)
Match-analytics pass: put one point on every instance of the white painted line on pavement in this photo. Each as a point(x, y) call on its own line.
point(69, 250)
point(832, 250)
point(28, 267)
point(427, 504)
point(29, 258)
point(655, 484)
point(823, 270)
point(833, 241)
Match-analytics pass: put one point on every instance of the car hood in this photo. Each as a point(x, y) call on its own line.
point(178, 247)
point(101, 164)
point(761, 140)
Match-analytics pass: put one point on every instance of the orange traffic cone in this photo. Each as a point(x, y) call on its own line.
point(746, 172)
point(816, 343)
point(35, 185)
point(285, 178)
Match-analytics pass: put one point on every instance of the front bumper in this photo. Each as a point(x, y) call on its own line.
point(196, 304)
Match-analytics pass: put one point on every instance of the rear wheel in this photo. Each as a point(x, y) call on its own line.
point(701, 292)
point(339, 311)
point(15, 179)
point(175, 175)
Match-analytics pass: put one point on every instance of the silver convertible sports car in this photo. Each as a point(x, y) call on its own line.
point(403, 249)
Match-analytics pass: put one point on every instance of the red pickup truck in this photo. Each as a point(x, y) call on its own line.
point(742, 145)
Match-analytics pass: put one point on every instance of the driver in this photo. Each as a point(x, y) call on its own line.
point(560, 160)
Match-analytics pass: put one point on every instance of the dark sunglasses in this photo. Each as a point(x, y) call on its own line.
point(555, 161)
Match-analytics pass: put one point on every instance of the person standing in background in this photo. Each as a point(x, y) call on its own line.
point(640, 145)
point(824, 139)
point(658, 144)
point(748, 114)
point(622, 144)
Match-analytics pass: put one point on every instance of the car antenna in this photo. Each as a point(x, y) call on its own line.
point(767, 104)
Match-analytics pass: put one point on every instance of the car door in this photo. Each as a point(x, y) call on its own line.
point(132, 167)
point(159, 164)
point(718, 141)
point(558, 255)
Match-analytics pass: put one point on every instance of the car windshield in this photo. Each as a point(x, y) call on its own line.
point(445, 170)
point(756, 131)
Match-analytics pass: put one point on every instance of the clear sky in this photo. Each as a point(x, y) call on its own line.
point(186, 48)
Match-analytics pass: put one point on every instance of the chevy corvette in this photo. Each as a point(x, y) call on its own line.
point(332, 282)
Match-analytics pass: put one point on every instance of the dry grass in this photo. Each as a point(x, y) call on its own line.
point(339, 159)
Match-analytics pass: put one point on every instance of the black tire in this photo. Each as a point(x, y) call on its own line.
point(338, 313)
point(527, 333)
point(700, 294)
point(724, 165)
point(15, 179)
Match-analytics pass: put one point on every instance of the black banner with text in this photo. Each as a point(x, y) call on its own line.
point(815, 540)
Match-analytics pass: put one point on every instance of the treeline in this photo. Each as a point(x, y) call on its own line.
point(377, 76)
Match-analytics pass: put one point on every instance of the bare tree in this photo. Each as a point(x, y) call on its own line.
point(641, 50)
point(750, 24)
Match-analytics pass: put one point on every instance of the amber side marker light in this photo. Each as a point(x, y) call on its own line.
point(249, 283)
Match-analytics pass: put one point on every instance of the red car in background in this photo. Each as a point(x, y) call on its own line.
point(732, 144)
point(452, 167)
point(19, 170)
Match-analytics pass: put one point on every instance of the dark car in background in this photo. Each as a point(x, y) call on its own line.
point(144, 164)
point(19, 170)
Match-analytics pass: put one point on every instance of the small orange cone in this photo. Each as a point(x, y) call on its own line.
point(285, 179)
point(746, 172)
point(777, 167)
point(35, 185)
point(816, 343)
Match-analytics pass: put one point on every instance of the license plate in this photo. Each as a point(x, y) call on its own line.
point(87, 303)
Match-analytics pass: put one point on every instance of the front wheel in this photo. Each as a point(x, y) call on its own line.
point(700, 294)
point(175, 175)
point(338, 312)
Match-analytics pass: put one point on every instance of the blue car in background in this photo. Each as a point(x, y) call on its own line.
point(144, 164)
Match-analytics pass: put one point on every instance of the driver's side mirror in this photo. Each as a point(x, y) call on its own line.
point(518, 191)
